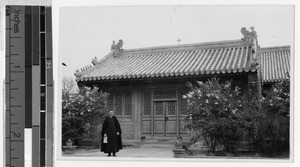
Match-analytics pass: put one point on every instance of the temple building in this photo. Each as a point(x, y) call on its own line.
point(146, 85)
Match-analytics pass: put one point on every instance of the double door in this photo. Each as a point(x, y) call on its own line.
point(165, 119)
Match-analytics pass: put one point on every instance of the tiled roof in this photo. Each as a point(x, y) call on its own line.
point(275, 63)
point(176, 60)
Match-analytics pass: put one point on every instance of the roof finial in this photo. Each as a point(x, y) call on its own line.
point(178, 40)
point(247, 34)
point(119, 45)
point(94, 61)
point(113, 46)
point(117, 48)
point(250, 38)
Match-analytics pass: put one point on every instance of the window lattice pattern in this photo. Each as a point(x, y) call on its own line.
point(147, 103)
point(165, 94)
point(171, 108)
point(183, 105)
point(118, 103)
point(128, 103)
point(159, 108)
point(110, 102)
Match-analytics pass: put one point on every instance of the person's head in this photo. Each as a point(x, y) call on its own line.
point(111, 113)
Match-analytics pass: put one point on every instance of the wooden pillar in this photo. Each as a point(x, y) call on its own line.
point(177, 113)
point(137, 113)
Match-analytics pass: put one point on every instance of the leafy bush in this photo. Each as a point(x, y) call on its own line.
point(83, 114)
point(215, 110)
point(271, 135)
point(72, 128)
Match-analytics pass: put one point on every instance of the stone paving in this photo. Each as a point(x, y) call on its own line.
point(144, 151)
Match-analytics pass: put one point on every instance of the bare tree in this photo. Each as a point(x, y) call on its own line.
point(68, 86)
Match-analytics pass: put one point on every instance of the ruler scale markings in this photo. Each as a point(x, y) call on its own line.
point(43, 88)
point(7, 93)
point(15, 43)
point(49, 88)
point(29, 60)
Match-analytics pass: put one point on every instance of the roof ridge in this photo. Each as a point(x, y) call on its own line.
point(185, 46)
point(276, 47)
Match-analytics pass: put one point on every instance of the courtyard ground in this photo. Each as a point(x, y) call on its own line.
point(161, 151)
point(143, 151)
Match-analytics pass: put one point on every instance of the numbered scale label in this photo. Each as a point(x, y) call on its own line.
point(15, 85)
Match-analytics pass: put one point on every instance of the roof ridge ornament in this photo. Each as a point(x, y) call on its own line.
point(250, 38)
point(248, 35)
point(117, 48)
point(95, 61)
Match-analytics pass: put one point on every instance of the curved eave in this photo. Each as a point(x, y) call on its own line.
point(272, 81)
point(163, 76)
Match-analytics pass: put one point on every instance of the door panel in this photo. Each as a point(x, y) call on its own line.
point(165, 120)
point(159, 122)
point(171, 123)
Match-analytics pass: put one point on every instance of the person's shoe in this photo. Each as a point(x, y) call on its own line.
point(114, 155)
point(109, 155)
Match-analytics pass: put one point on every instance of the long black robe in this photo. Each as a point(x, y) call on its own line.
point(110, 127)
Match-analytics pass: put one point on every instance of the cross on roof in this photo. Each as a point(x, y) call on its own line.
point(178, 40)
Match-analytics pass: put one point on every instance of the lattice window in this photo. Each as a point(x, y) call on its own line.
point(110, 102)
point(183, 104)
point(165, 94)
point(118, 103)
point(128, 103)
point(159, 108)
point(147, 103)
point(171, 108)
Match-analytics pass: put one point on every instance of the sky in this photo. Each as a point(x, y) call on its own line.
point(88, 32)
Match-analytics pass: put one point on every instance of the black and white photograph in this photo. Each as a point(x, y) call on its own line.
point(128, 83)
point(187, 82)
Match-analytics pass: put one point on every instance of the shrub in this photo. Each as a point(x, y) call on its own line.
point(83, 114)
point(72, 128)
point(272, 130)
point(215, 110)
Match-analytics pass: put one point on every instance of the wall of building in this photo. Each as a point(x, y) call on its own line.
point(133, 102)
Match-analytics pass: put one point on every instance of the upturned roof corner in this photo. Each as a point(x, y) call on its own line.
point(78, 73)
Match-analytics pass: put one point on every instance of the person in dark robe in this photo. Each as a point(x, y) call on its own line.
point(112, 130)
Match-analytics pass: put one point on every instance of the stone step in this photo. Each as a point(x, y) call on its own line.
point(147, 145)
point(151, 142)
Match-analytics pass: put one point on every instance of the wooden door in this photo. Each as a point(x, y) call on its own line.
point(171, 118)
point(164, 118)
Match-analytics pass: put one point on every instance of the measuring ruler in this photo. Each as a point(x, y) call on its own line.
point(29, 86)
point(15, 85)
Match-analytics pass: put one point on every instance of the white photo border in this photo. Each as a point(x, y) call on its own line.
point(59, 160)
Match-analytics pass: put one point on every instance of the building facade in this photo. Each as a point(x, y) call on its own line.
point(146, 85)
